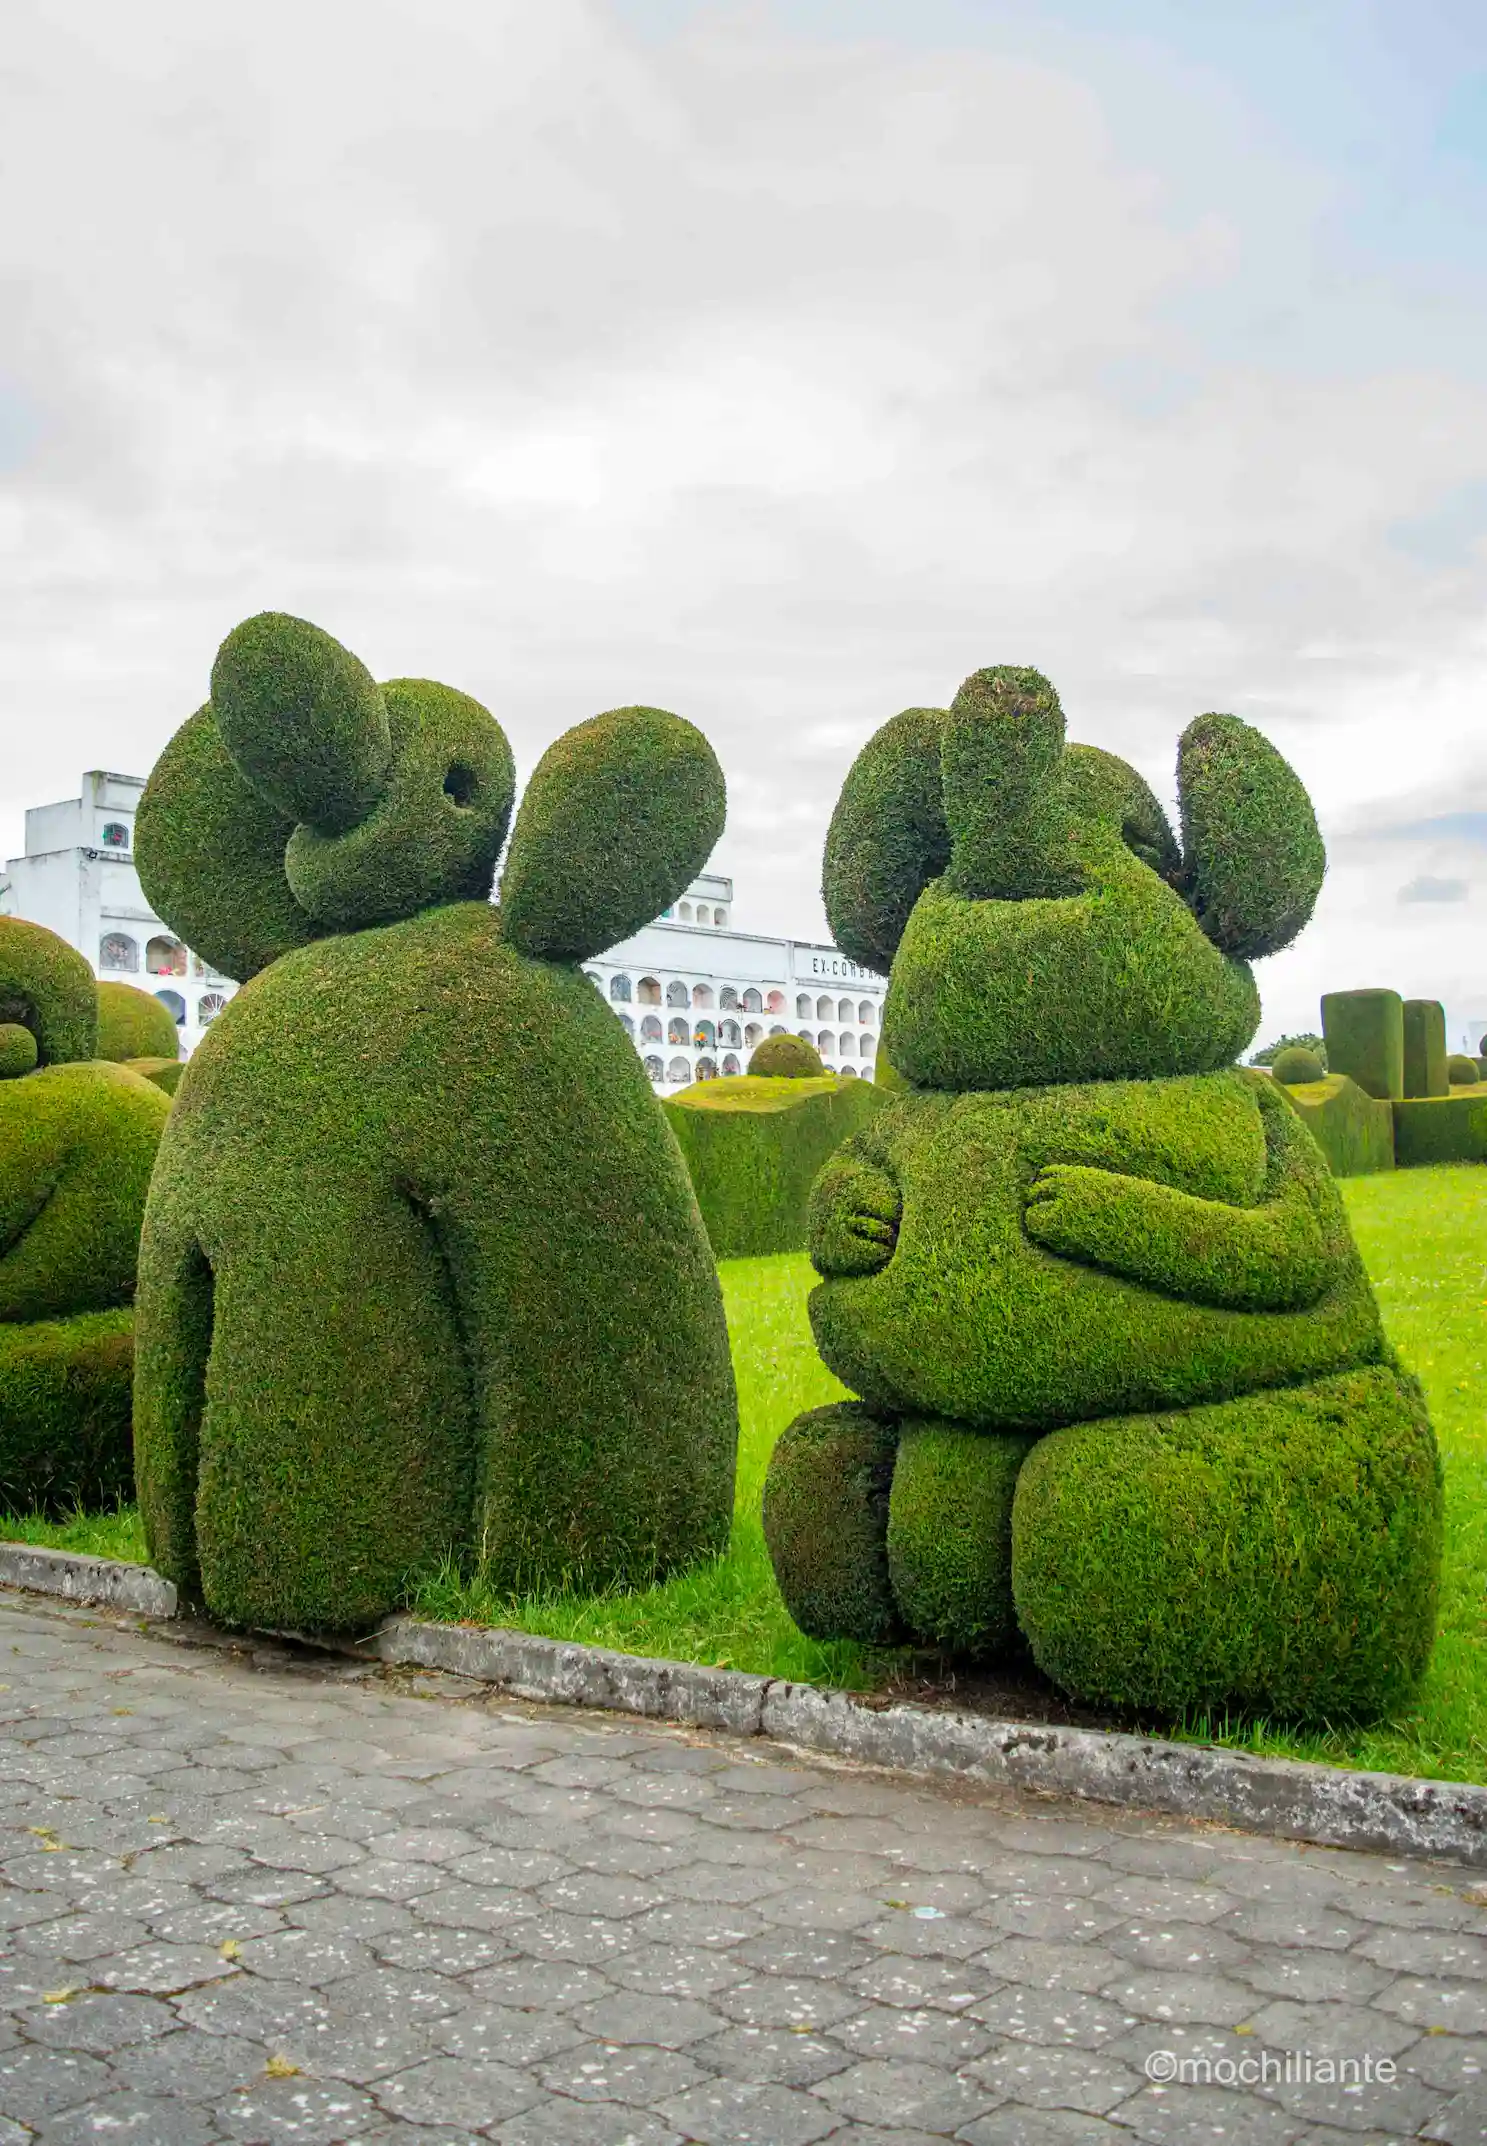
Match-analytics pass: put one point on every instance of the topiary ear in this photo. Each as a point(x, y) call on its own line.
point(1253, 859)
point(1002, 762)
point(210, 854)
point(303, 720)
point(47, 989)
point(622, 812)
point(887, 839)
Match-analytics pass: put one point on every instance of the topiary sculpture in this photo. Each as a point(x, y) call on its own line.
point(1461, 1071)
point(1121, 1383)
point(77, 1142)
point(786, 1058)
point(132, 1024)
point(1293, 1068)
point(422, 1270)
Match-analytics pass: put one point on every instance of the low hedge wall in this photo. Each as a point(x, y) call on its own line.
point(753, 1145)
point(1445, 1128)
point(1355, 1131)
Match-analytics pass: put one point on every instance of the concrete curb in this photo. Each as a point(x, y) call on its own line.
point(1392, 1814)
point(102, 1582)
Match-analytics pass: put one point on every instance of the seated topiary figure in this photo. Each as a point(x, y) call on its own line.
point(786, 1058)
point(132, 1024)
point(77, 1142)
point(1293, 1068)
point(1122, 1386)
point(422, 1270)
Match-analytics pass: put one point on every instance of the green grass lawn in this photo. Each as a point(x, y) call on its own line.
point(1423, 1234)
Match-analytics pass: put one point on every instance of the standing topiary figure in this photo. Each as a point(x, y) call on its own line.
point(1121, 1381)
point(422, 1269)
point(77, 1142)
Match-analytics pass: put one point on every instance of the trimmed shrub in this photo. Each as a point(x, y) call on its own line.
point(1461, 1071)
point(887, 839)
point(1447, 1128)
point(17, 1050)
point(303, 720)
point(826, 1524)
point(1425, 1047)
point(1253, 859)
point(1365, 1039)
point(785, 1058)
point(1307, 1042)
point(1295, 1067)
point(753, 1146)
point(422, 1270)
point(65, 1401)
point(164, 1072)
point(47, 987)
point(1353, 1130)
point(134, 1024)
point(1281, 1557)
point(950, 1535)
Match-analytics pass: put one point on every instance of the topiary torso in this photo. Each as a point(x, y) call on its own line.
point(422, 1271)
point(1077, 1217)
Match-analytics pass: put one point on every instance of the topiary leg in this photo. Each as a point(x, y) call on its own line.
point(826, 1523)
point(950, 1534)
point(1278, 1553)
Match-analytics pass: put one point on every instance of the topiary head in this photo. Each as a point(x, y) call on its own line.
point(1295, 1066)
point(1039, 920)
point(306, 799)
point(1461, 1071)
point(786, 1058)
point(48, 1003)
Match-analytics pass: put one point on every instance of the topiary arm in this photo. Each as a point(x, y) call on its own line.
point(621, 814)
point(1280, 1255)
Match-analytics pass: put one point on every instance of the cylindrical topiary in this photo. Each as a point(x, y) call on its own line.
point(422, 1271)
point(1425, 1047)
point(1293, 1068)
point(785, 1058)
point(1461, 1071)
point(133, 1024)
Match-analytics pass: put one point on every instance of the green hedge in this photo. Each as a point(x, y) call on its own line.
point(65, 1409)
point(1353, 1130)
point(1279, 1556)
point(164, 1072)
point(753, 1144)
point(18, 1053)
point(1448, 1128)
point(1425, 1047)
point(134, 1024)
point(1365, 1039)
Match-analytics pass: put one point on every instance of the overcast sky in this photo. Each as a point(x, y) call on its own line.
point(778, 365)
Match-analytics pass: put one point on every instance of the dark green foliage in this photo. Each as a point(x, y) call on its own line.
point(1353, 1130)
point(210, 855)
point(1253, 858)
point(887, 839)
point(1365, 1039)
point(1001, 760)
point(1425, 1047)
point(753, 1146)
point(1280, 1555)
point(436, 828)
point(1448, 1128)
point(950, 1535)
point(164, 1072)
point(46, 986)
point(1461, 1071)
point(1100, 787)
point(303, 720)
point(1081, 1251)
point(785, 1058)
point(826, 1524)
point(134, 1024)
point(421, 1213)
point(18, 1052)
point(65, 1412)
point(1293, 1068)
point(1306, 1042)
point(620, 814)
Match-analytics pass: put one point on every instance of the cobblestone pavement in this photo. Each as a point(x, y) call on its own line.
point(261, 1896)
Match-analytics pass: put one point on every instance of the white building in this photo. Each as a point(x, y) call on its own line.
point(695, 996)
point(78, 879)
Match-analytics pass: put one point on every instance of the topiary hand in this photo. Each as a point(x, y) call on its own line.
point(853, 1218)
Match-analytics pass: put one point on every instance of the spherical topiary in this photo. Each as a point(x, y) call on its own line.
point(133, 1024)
point(422, 1273)
point(17, 1050)
point(46, 986)
point(1461, 1071)
point(1293, 1068)
point(785, 1058)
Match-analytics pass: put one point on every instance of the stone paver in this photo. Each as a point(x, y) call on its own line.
point(255, 1895)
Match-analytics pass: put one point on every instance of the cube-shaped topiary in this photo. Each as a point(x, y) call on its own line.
point(1365, 1039)
point(1121, 1386)
point(422, 1270)
point(77, 1143)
